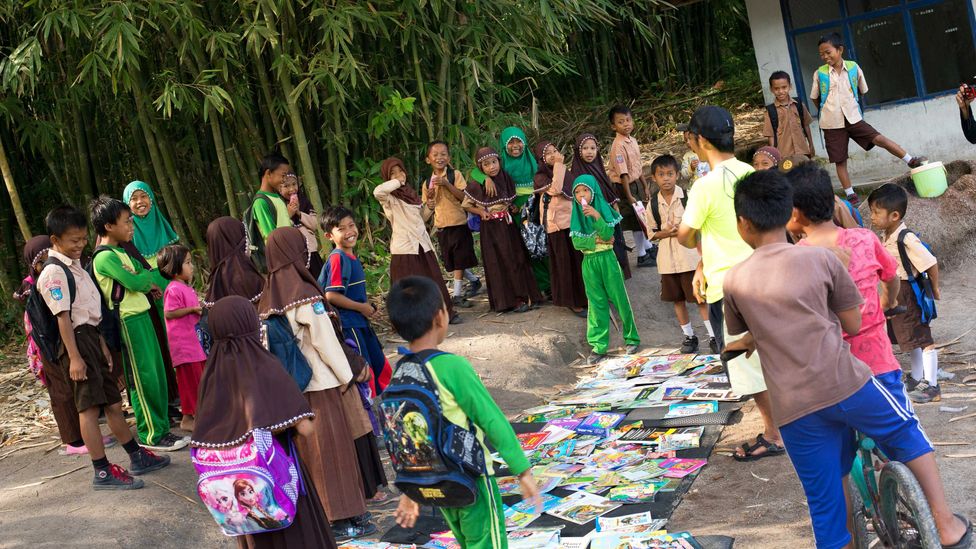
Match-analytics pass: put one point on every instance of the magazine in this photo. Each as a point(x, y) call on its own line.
point(599, 423)
point(680, 468)
point(534, 538)
point(633, 493)
point(605, 524)
point(522, 513)
point(531, 441)
point(583, 507)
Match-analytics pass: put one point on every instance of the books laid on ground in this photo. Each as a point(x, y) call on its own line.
point(534, 538)
point(725, 395)
point(582, 507)
point(523, 513)
point(625, 522)
point(599, 423)
point(685, 409)
point(531, 441)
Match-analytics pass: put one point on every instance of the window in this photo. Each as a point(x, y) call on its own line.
point(908, 49)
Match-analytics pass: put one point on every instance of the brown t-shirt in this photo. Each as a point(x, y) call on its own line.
point(787, 297)
point(791, 131)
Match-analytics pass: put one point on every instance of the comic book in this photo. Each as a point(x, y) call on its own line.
point(685, 409)
point(582, 507)
point(531, 441)
point(680, 468)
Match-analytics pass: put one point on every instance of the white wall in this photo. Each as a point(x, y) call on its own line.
point(922, 127)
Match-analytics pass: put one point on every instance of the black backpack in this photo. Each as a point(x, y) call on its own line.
point(436, 462)
point(111, 325)
point(774, 119)
point(656, 210)
point(44, 325)
point(252, 233)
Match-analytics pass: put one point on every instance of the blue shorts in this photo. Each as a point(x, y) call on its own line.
point(821, 447)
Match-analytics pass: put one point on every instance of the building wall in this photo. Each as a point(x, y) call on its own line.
point(922, 127)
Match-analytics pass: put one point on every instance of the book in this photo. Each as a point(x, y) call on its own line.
point(677, 393)
point(522, 513)
point(556, 434)
point(599, 423)
point(644, 435)
point(564, 423)
point(605, 524)
point(685, 409)
point(680, 468)
point(531, 441)
point(553, 452)
point(509, 486)
point(582, 507)
point(534, 538)
point(633, 493)
point(725, 395)
point(643, 540)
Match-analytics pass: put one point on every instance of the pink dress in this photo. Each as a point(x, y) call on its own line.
point(184, 347)
point(870, 264)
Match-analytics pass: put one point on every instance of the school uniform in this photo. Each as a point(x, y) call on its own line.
point(522, 170)
point(625, 160)
point(451, 221)
point(907, 328)
point(840, 114)
point(790, 135)
point(565, 261)
point(675, 263)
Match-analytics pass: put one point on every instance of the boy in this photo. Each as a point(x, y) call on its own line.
point(692, 167)
point(443, 192)
point(838, 85)
point(888, 204)
point(418, 314)
point(83, 355)
point(787, 122)
point(675, 263)
point(344, 281)
point(626, 171)
point(124, 285)
point(820, 392)
point(268, 206)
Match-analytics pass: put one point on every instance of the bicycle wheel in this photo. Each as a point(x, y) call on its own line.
point(862, 539)
point(905, 511)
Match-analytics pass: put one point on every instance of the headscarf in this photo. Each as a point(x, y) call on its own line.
point(405, 193)
point(289, 284)
point(521, 169)
point(153, 232)
point(244, 387)
point(231, 271)
point(33, 249)
point(595, 168)
point(770, 152)
point(582, 226)
point(504, 186)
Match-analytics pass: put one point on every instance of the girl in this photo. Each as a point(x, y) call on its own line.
point(565, 261)
point(410, 245)
point(303, 217)
point(591, 229)
point(766, 158)
point(244, 388)
point(182, 310)
point(330, 450)
point(587, 160)
point(231, 270)
point(510, 282)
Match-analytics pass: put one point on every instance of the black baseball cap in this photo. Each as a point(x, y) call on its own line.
point(712, 122)
point(682, 127)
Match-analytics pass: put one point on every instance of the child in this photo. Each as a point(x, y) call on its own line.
point(838, 85)
point(820, 393)
point(344, 281)
point(152, 229)
point(330, 450)
point(411, 251)
point(628, 173)
point(418, 314)
point(443, 192)
point(510, 282)
point(675, 263)
point(231, 270)
point(766, 158)
point(267, 396)
point(787, 122)
point(592, 233)
point(114, 268)
point(84, 358)
point(889, 203)
point(692, 167)
point(844, 213)
point(307, 222)
point(268, 206)
point(587, 160)
point(182, 309)
point(565, 261)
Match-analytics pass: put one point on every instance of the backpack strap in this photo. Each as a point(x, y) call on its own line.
point(655, 209)
point(423, 356)
point(118, 292)
point(67, 274)
point(774, 122)
point(903, 254)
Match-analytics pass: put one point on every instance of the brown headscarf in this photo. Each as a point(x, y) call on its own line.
point(289, 284)
point(504, 185)
point(595, 168)
point(33, 249)
point(231, 271)
point(406, 193)
point(244, 387)
point(544, 174)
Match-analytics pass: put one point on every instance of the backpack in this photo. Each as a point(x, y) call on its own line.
point(202, 329)
point(774, 119)
point(252, 234)
point(283, 344)
point(436, 462)
point(854, 212)
point(111, 325)
point(920, 283)
point(260, 468)
point(533, 234)
point(44, 325)
point(656, 209)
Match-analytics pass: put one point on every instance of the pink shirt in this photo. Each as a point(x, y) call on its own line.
point(870, 263)
point(184, 347)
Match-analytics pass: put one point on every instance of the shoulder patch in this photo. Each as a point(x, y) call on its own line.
point(56, 294)
point(620, 159)
point(319, 308)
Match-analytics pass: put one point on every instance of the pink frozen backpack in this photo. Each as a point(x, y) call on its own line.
point(250, 488)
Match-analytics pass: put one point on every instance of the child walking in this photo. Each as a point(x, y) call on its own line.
point(419, 315)
point(786, 122)
point(231, 270)
point(837, 85)
point(627, 172)
point(592, 233)
point(675, 263)
point(411, 251)
point(71, 297)
point(511, 286)
point(182, 309)
point(889, 203)
point(117, 275)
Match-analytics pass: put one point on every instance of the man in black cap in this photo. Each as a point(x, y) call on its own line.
point(710, 222)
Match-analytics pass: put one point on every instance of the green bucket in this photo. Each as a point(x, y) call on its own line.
point(930, 179)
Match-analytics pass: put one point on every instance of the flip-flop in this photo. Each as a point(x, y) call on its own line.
point(761, 442)
point(966, 540)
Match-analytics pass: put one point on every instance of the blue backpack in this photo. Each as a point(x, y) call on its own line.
point(436, 462)
point(920, 283)
point(283, 344)
point(854, 212)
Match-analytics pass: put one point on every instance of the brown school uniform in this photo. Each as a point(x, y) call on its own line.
point(791, 132)
point(840, 116)
point(675, 263)
point(625, 160)
point(565, 261)
point(908, 328)
point(453, 235)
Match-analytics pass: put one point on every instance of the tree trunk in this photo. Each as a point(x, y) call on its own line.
point(8, 179)
point(424, 103)
point(218, 138)
point(84, 168)
point(282, 138)
point(176, 183)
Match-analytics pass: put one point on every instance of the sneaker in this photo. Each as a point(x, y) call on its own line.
point(456, 319)
point(924, 393)
point(521, 308)
point(362, 520)
point(115, 478)
point(473, 288)
point(713, 345)
point(144, 461)
point(632, 349)
point(460, 302)
point(595, 358)
point(909, 382)
point(917, 161)
point(345, 530)
point(690, 345)
point(169, 443)
point(645, 260)
point(854, 199)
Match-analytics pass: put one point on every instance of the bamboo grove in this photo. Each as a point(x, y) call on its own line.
point(189, 94)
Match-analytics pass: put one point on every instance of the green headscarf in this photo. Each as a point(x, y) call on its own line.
point(582, 226)
point(521, 169)
point(153, 232)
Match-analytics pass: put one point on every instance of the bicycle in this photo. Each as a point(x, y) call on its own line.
point(886, 494)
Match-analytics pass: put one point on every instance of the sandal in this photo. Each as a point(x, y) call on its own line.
point(966, 540)
point(761, 442)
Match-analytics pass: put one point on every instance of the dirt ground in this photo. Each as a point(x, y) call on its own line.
point(522, 359)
